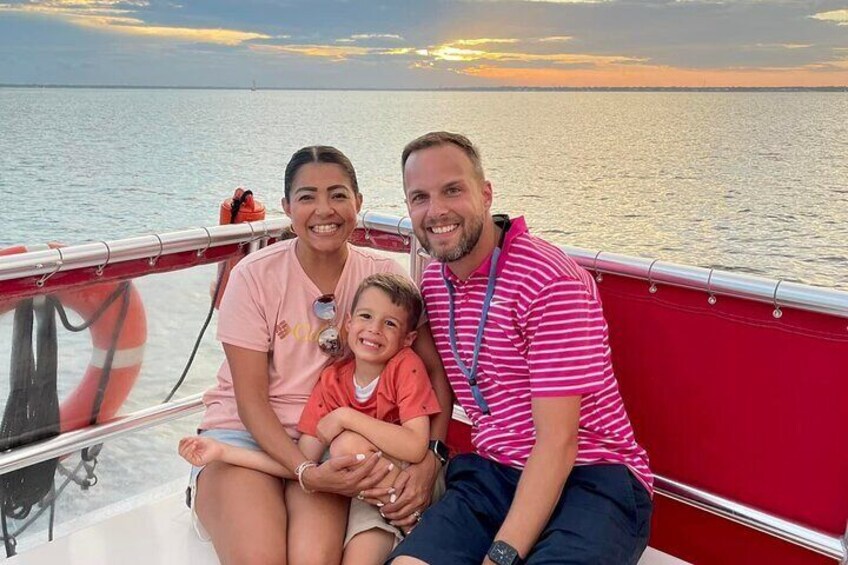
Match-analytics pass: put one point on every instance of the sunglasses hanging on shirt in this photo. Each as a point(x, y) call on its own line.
point(329, 339)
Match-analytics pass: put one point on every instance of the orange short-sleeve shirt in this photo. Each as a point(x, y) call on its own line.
point(403, 393)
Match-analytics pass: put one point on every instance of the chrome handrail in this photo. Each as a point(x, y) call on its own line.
point(76, 440)
point(73, 257)
point(711, 281)
point(716, 282)
point(808, 538)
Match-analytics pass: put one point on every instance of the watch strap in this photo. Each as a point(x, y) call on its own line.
point(440, 450)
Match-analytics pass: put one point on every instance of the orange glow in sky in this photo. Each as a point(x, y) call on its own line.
point(646, 75)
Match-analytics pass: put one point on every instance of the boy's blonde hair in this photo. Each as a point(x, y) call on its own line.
point(400, 290)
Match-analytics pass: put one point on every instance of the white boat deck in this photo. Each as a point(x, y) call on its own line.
point(159, 533)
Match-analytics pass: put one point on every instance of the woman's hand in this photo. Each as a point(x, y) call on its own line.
point(347, 475)
point(413, 491)
point(332, 425)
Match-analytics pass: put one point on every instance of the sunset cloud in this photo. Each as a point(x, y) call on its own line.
point(427, 43)
point(118, 16)
point(360, 36)
point(784, 45)
point(228, 37)
point(839, 17)
point(449, 52)
point(482, 41)
point(332, 52)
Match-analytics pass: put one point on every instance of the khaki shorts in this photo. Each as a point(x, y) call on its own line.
point(363, 517)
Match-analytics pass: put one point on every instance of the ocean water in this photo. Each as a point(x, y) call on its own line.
point(749, 181)
point(752, 182)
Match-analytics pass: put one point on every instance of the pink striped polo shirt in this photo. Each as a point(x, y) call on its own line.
point(545, 336)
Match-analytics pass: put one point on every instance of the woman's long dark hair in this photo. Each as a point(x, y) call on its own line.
point(317, 154)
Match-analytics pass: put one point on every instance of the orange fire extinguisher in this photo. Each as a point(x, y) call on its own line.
point(242, 207)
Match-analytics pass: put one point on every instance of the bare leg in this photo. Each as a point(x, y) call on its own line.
point(317, 523)
point(374, 545)
point(245, 513)
point(369, 547)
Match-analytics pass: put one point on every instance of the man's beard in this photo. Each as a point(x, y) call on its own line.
point(466, 244)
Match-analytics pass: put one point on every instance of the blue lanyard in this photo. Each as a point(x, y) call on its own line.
point(471, 372)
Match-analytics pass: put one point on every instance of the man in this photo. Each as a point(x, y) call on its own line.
point(557, 476)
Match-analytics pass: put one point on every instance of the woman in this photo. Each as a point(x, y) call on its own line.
point(278, 322)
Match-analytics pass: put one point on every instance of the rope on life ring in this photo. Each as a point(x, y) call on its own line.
point(118, 326)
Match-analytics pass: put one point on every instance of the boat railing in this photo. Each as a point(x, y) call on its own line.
point(49, 270)
point(35, 270)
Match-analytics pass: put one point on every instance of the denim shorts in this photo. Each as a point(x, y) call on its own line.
point(602, 517)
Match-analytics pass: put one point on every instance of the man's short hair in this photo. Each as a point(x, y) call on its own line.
point(400, 290)
point(437, 138)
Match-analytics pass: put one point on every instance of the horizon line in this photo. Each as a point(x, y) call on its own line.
point(833, 88)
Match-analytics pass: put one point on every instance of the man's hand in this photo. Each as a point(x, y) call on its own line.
point(331, 425)
point(413, 491)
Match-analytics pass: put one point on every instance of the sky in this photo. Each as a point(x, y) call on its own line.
point(425, 43)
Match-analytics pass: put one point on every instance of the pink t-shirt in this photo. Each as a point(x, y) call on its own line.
point(267, 307)
point(545, 336)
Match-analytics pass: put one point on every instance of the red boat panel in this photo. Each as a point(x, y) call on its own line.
point(729, 399)
point(702, 538)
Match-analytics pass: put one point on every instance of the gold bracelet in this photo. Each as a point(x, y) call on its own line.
point(298, 472)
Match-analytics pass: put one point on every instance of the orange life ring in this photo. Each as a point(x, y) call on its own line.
point(17, 249)
point(76, 409)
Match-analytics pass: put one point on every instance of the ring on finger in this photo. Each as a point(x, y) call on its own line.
point(417, 515)
point(360, 496)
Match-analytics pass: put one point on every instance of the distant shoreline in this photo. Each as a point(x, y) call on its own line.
point(463, 89)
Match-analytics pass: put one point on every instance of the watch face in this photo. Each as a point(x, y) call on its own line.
point(503, 554)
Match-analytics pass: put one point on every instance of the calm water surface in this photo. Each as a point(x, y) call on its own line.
point(754, 182)
point(751, 181)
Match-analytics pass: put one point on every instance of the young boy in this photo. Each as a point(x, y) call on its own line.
point(378, 399)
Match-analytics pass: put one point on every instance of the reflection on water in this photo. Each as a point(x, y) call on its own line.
point(744, 180)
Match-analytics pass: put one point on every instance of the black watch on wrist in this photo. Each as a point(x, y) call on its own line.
point(440, 450)
point(501, 553)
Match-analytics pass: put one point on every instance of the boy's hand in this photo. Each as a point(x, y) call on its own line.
point(331, 425)
point(200, 451)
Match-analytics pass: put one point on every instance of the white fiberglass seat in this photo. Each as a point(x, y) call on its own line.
point(159, 533)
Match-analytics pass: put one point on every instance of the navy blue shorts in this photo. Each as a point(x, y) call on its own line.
point(603, 517)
